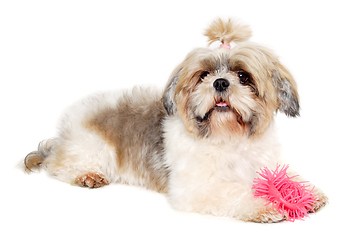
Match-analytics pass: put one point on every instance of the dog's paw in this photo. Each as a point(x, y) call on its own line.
point(321, 199)
point(92, 180)
point(267, 215)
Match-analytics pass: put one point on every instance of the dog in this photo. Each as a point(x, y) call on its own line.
point(200, 141)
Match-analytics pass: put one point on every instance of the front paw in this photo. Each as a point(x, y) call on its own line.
point(321, 199)
point(265, 215)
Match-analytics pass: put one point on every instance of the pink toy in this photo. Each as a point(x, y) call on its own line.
point(289, 197)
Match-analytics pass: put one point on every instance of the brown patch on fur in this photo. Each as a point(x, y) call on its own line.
point(92, 180)
point(134, 128)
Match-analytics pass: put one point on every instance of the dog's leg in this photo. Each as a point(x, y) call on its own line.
point(81, 158)
point(82, 167)
point(321, 198)
point(230, 199)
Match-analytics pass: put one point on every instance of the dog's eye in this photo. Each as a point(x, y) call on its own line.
point(243, 76)
point(204, 74)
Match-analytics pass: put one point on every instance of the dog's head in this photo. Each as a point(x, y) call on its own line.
point(230, 91)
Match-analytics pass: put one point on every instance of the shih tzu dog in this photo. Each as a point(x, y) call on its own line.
point(200, 141)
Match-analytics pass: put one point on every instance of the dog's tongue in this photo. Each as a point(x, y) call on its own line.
point(221, 104)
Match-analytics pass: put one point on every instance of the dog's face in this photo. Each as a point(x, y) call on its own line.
point(227, 93)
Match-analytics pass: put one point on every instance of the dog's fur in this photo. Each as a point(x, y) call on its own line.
point(200, 141)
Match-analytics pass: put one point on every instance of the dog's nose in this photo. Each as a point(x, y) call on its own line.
point(221, 84)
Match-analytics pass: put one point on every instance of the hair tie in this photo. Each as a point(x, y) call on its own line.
point(225, 45)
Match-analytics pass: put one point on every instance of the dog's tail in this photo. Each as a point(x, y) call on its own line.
point(227, 32)
point(34, 160)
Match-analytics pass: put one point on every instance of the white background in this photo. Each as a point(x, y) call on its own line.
point(54, 52)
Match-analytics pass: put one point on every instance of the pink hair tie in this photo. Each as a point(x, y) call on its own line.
point(225, 45)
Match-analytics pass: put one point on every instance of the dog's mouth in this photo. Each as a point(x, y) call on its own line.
point(220, 106)
point(225, 114)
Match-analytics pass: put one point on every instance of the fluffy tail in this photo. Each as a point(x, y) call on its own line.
point(34, 160)
point(227, 32)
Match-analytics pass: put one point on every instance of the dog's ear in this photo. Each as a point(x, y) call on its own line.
point(287, 92)
point(169, 94)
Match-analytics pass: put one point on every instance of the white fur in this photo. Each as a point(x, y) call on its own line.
point(206, 175)
point(85, 151)
point(216, 178)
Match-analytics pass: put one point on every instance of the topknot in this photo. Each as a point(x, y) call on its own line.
point(227, 32)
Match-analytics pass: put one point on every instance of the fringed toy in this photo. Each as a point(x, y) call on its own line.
point(292, 199)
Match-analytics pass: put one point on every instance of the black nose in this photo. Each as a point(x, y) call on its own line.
point(221, 84)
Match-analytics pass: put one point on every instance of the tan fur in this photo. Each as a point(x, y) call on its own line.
point(260, 62)
point(227, 32)
point(226, 124)
point(267, 215)
point(121, 128)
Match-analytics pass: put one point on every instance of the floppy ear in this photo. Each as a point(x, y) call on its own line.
point(169, 94)
point(287, 92)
